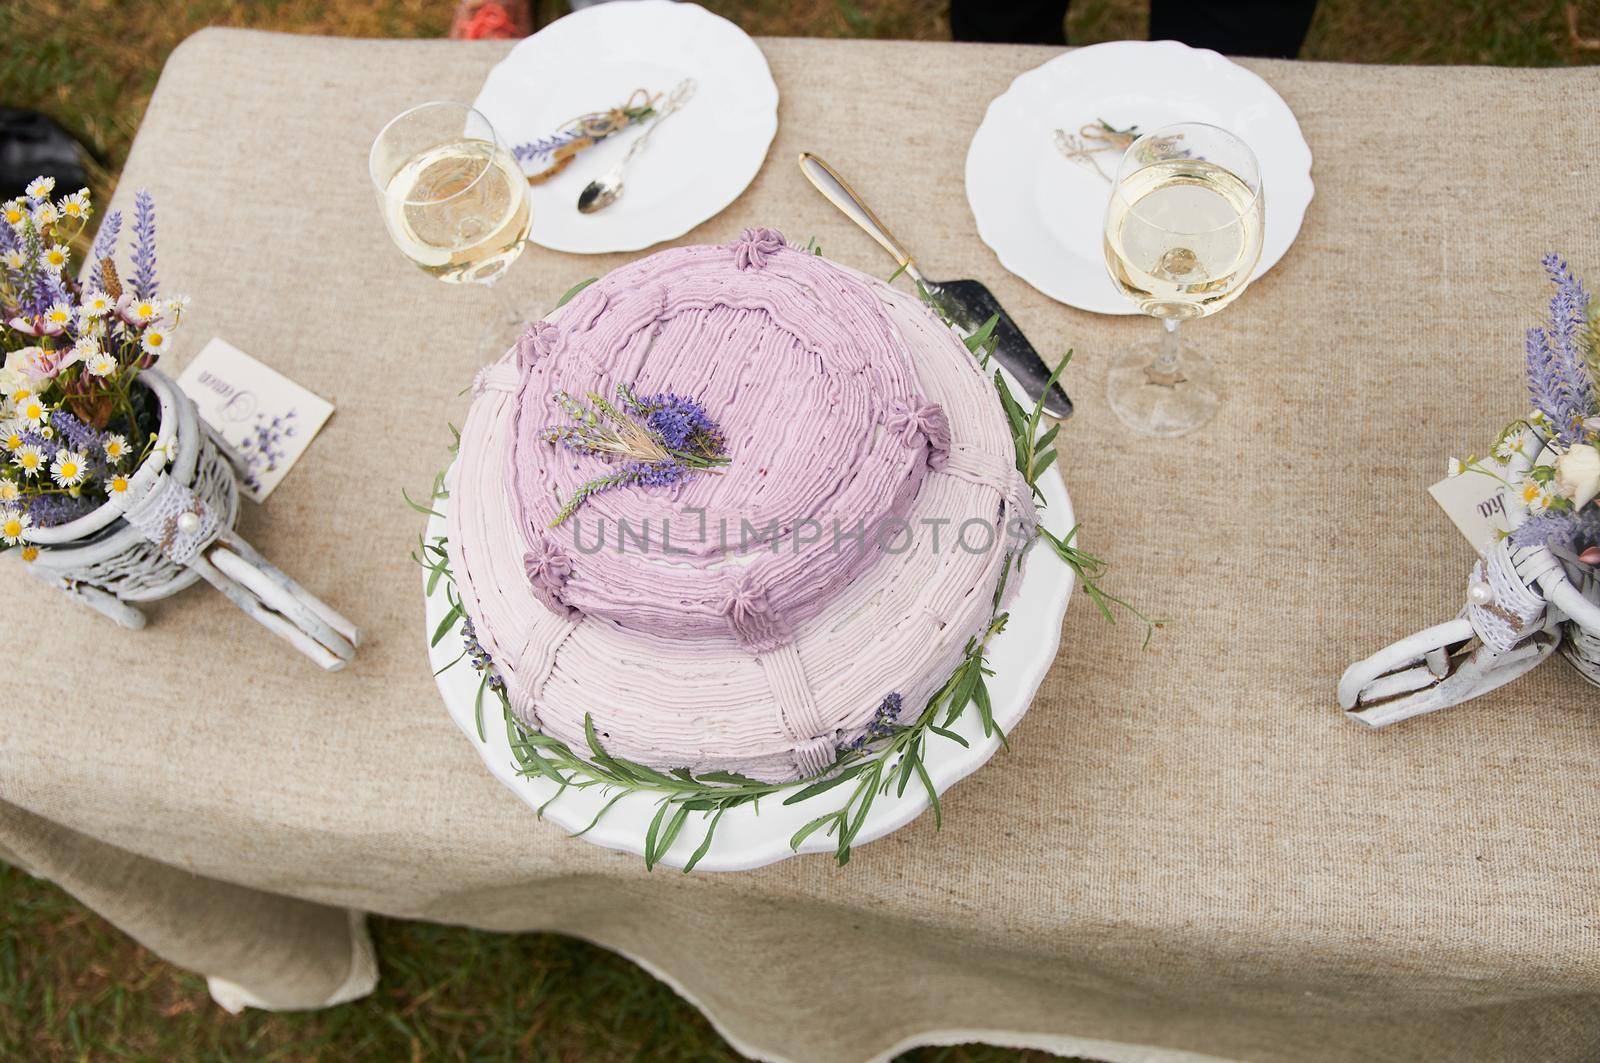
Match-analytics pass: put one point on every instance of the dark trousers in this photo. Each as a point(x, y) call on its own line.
point(1274, 28)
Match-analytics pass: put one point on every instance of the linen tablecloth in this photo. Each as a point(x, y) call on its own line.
point(1188, 850)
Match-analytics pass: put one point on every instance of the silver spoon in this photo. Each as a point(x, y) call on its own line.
point(604, 190)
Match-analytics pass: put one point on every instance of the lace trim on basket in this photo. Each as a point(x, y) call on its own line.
point(164, 517)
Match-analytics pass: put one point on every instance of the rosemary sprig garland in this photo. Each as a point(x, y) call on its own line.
point(891, 763)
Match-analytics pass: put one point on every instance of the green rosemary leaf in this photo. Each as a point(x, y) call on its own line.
point(418, 506)
point(444, 625)
point(945, 733)
point(908, 764)
point(811, 828)
point(867, 792)
point(651, 852)
point(705, 843)
point(451, 665)
point(1044, 462)
point(896, 274)
point(933, 794)
point(980, 694)
point(1046, 439)
point(547, 802)
point(598, 816)
point(674, 828)
point(684, 774)
point(483, 684)
point(731, 778)
point(572, 291)
point(822, 786)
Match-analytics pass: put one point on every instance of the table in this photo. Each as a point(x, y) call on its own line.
point(1187, 854)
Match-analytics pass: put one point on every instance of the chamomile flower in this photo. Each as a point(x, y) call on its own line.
point(55, 257)
point(117, 484)
point(45, 215)
point(116, 448)
point(69, 468)
point(31, 411)
point(76, 205)
point(95, 304)
point(156, 340)
point(1533, 497)
point(85, 349)
point(40, 187)
point(14, 525)
point(15, 212)
point(58, 317)
point(11, 435)
point(30, 553)
point(28, 459)
point(142, 311)
point(100, 363)
point(176, 306)
point(9, 491)
point(14, 259)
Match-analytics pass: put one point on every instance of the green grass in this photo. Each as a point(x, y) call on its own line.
point(72, 987)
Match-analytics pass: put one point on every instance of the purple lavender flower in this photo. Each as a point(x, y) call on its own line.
point(48, 511)
point(105, 246)
point(882, 725)
point(542, 148)
point(144, 245)
point(478, 655)
point(77, 435)
point(1558, 374)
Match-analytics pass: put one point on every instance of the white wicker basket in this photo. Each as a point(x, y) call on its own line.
point(1522, 604)
point(173, 526)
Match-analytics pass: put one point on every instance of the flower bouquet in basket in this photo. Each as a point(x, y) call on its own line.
point(1535, 589)
point(111, 487)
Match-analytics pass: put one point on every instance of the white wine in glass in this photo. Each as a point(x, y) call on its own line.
point(455, 202)
point(1182, 236)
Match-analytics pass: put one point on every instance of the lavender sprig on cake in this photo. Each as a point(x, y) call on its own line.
point(662, 441)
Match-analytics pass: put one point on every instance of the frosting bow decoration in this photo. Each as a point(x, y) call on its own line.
point(920, 422)
point(754, 246)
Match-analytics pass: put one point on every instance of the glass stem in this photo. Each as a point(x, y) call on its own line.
point(1164, 369)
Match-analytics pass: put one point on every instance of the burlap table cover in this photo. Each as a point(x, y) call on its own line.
point(1187, 849)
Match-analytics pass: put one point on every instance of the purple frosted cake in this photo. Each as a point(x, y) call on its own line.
point(754, 612)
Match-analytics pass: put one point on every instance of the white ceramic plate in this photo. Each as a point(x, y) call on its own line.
point(1020, 656)
point(1043, 214)
point(700, 161)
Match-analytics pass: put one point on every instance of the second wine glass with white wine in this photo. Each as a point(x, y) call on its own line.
point(455, 202)
point(1182, 237)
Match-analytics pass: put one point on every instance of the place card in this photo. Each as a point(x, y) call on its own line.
point(1476, 503)
point(266, 419)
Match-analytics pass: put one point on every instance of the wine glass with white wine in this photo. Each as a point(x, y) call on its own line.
point(1183, 233)
point(456, 203)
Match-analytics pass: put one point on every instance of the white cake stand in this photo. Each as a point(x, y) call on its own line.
point(1020, 656)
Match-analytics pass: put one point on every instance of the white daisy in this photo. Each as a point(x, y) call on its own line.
point(76, 205)
point(15, 212)
point(40, 187)
point(45, 215)
point(9, 491)
point(176, 306)
point(156, 340)
point(14, 259)
point(95, 304)
point(117, 484)
point(11, 434)
point(69, 468)
point(14, 525)
point(1533, 497)
point(28, 459)
point(55, 257)
point(100, 364)
point(58, 317)
point(143, 311)
point(32, 412)
point(116, 448)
